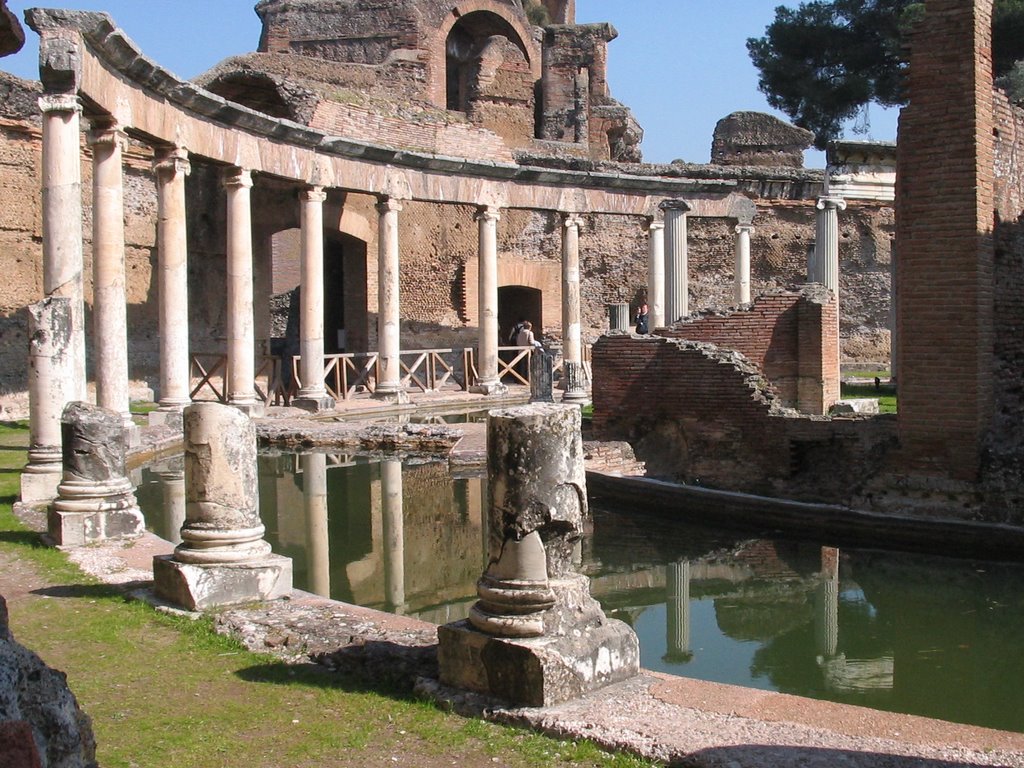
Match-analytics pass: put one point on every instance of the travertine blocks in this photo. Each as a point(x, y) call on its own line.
point(223, 558)
point(535, 637)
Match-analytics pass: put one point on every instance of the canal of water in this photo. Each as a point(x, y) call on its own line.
point(909, 633)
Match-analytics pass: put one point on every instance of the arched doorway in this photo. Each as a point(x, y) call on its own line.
point(346, 328)
point(515, 303)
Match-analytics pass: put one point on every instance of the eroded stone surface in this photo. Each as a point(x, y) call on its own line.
point(33, 693)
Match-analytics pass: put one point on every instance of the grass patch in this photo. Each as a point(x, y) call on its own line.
point(168, 689)
point(887, 400)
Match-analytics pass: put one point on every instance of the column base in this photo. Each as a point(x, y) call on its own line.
point(489, 388)
point(314, 402)
point(537, 672)
point(254, 409)
point(74, 528)
point(398, 396)
point(166, 417)
point(202, 587)
point(40, 484)
point(576, 398)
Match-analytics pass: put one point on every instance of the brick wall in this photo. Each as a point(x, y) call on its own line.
point(792, 337)
point(702, 415)
point(944, 225)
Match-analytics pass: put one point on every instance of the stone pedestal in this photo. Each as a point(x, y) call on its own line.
point(535, 637)
point(95, 499)
point(223, 558)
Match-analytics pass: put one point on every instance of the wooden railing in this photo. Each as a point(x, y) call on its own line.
point(352, 373)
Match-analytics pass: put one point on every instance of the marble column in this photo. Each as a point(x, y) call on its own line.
point(618, 317)
point(575, 379)
point(488, 382)
point(741, 293)
point(826, 243)
point(535, 637)
point(318, 545)
point(49, 379)
point(110, 325)
point(656, 274)
point(389, 365)
point(394, 534)
point(62, 223)
point(223, 558)
point(95, 499)
point(677, 612)
point(172, 492)
point(677, 285)
point(312, 395)
point(241, 329)
point(171, 166)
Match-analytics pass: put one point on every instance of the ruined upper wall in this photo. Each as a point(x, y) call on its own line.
point(759, 139)
point(12, 36)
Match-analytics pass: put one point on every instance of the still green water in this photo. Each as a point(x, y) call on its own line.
point(902, 632)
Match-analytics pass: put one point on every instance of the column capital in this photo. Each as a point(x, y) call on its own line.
point(652, 224)
point(680, 206)
point(171, 161)
point(240, 178)
point(744, 228)
point(572, 220)
point(388, 205)
point(313, 194)
point(830, 202)
point(60, 102)
point(488, 213)
point(105, 133)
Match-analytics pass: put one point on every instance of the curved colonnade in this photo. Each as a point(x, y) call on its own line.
point(91, 68)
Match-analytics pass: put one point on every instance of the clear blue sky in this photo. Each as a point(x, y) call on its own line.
point(681, 65)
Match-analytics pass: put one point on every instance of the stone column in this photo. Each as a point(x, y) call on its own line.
point(95, 499)
point(314, 498)
point(656, 274)
point(50, 360)
point(62, 222)
point(488, 382)
point(389, 366)
point(110, 328)
point(575, 379)
point(241, 332)
point(826, 253)
point(826, 242)
point(172, 492)
point(223, 558)
point(171, 166)
point(535, 637)
point(677, 285)
point(677, 612)
point(394, 534)
point(741, 294)
point(312, 395)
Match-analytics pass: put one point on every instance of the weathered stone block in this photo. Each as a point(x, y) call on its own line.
point(202, 587)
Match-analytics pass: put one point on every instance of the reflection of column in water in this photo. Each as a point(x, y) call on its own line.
point(485, 525)
point(172, 487)
point(826, 606)
point(677, 612)
point(314, 499)
point(394, 535)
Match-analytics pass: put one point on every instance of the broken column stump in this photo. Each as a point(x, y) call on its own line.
point(535, 637)
point(95, 499)
point(223, 558)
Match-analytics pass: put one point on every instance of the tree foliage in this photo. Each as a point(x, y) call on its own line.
point(823, 61)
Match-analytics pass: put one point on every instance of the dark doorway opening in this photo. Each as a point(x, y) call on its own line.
point(515, 303)
point(346, 327)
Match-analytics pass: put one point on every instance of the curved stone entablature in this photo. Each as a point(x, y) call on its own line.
point(84, 53)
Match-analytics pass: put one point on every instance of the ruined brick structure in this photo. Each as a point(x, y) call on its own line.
point(381, 80)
